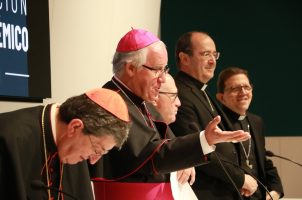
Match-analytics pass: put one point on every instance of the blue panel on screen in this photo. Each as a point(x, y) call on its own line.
point(24, 49)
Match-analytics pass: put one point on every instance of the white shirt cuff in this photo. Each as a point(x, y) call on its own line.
point(206, 148)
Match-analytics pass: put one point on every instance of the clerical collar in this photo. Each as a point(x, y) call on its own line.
point(53, 120)
point(241, 117)
point(49, 127)
point(133, 97)
point(194, 81)
point(204, 87)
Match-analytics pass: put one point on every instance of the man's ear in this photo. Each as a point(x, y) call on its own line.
point(184, 58)
point(73, 126)
point(219, 96)
point(130, 69)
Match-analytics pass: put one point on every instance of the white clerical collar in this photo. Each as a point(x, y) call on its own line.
point(204, 87)
point(241, 117)
point(53, 120)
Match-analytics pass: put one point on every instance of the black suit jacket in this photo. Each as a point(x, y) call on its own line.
point(22, 158)
point(194, 114)
point(267, 172)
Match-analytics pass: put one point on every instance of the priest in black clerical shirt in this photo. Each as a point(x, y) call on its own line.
point(196, 58)
point(45, 146)
point(235, 94)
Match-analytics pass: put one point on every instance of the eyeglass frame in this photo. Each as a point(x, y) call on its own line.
point(215, 54)
point(172, 98)
point(94, 148)
point(158, 72)
point(239, 88)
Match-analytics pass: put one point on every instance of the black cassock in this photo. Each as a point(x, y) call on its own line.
point(144, 158)
point(22, 158)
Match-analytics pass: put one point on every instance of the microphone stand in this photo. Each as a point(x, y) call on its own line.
point(228, 175)
point(39, 185)
point(271, 154)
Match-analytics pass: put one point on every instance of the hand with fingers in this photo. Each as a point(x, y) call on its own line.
point(274, 194)
point(186, 175)
point(214, 134)
point(250, 186)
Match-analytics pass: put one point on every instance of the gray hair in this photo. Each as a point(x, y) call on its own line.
point(97, 121)
point(136, 58)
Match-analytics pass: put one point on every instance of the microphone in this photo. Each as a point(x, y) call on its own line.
point(263, 186)
point(228, 175)
point(194, 126)
point(271, 154)
point(39, 185)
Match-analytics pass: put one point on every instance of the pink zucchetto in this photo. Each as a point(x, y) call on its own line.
point(136, 39)
point(110, 101)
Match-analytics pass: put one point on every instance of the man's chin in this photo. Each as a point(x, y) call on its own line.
point(75, 162)
point(71, 162)
point(152, 99)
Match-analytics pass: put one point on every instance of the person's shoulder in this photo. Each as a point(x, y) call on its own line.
point(180, 77)
point(182, 82)
point(109, 85)
point(19, 112)
point(254, 117)
point(14, 120)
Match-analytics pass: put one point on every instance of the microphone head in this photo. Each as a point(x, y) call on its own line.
point(269, 153)
point(37, 184)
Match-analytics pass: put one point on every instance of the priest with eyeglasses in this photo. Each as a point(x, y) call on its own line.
point(235, 94)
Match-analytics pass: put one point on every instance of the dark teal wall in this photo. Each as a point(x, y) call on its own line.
point(262, 36)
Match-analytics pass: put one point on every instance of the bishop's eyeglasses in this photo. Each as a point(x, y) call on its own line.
point(209, 54)
point(94, 147)
point(172, 95)
point(237, 89)
point(158, 72)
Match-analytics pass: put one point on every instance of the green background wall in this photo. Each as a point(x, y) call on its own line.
point(262, 36)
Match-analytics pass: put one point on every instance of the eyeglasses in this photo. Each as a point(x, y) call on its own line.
point(209, 54)
point(172, 95)
point(93, 147)
point(238, 89)
point(158, 72)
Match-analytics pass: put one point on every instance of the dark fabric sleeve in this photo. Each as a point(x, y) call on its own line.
point(147, 151)
point(190, 119)
point(166, 160)
point(6, 178)
point(11, 186)
point(272, 176)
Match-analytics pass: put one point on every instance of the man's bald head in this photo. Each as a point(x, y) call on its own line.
point(168, 101)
